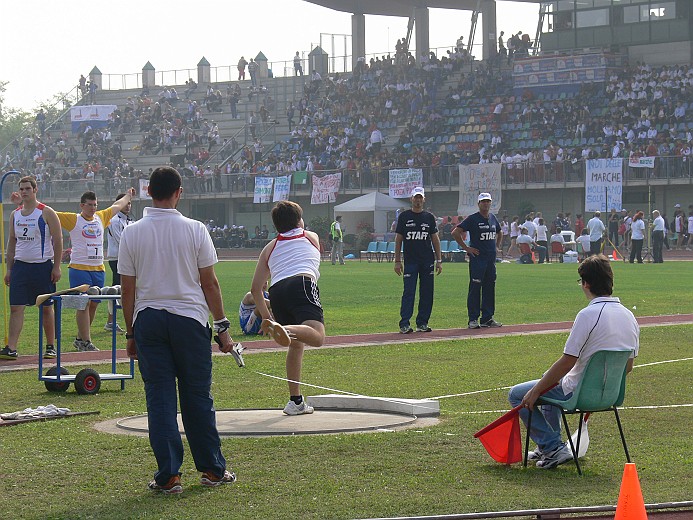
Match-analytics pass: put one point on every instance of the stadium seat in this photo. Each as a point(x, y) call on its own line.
point(390, 255)
point(602, 388)
point(381, 251)
point(369, 252)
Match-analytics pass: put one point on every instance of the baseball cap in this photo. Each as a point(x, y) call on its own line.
point(418, 191)
point(677, 205)
point(484, 196)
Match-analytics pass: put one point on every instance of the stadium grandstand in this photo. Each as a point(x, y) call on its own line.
point(599, 80)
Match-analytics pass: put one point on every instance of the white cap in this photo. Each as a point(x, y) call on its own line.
point(418, 191)
point(677, 205)
point(484, 196)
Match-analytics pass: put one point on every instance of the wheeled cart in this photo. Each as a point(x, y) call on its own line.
point(87, 381)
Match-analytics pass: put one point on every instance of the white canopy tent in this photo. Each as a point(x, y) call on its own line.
point(371, 208)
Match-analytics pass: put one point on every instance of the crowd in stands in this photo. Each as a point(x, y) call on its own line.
point(393, 111)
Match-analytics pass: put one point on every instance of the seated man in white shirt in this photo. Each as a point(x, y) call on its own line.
point(524, 238)
point(605, 324)
point(558, 237)
point(584, 241)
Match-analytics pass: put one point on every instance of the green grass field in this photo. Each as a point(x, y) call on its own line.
point(364, 297)
point(65, 469)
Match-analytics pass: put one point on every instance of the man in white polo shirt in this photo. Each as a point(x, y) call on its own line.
point(605, 324)
point(597, 230)
point(169, 287)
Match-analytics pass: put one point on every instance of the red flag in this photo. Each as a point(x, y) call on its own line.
point(502, 438)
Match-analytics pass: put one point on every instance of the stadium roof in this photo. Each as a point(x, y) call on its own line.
point(399, 7)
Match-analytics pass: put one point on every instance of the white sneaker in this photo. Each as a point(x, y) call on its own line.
point(109, 328)
point(292, 408)
point(536, 454)
point(560, 455)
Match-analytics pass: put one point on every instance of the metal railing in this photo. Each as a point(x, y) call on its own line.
point(668, 170)
point(227, 73)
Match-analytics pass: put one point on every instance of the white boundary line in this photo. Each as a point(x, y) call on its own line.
point(650, 407)
point(508, 387)
point(661, 362)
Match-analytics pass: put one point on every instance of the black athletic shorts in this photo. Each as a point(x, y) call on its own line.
point(295, 300)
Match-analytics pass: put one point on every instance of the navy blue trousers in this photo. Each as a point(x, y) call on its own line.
point(481, 298)
point(170, 348)
point(423, 273)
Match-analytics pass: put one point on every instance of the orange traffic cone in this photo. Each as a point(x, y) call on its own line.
point(631, 505)
point(614, 255)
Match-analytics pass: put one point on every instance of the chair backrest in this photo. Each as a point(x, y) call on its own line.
point(372, 247)
point(525, 249)
point(382, 247)
point(391, 247)
point(556, 247)
point(444, 246)
point(603, 381)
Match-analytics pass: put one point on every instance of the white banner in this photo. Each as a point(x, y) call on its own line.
point(403, 181)
point(281, 188)
point(144, 189)
point(475, 179)
point(263, 190)
point(641, 162)
point(604, 185)
point(91, 113)
point(325, 188)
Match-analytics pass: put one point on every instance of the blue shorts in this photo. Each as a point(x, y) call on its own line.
point(79, 277)
point(27, 281)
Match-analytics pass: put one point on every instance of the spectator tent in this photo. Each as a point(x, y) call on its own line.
point(371, 208)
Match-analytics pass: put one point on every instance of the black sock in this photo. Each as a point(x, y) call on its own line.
point(297, 399)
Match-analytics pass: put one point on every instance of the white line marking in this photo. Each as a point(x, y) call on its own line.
point(470, 393)
point(508, 387)
point(660, 362)
point(651, 407)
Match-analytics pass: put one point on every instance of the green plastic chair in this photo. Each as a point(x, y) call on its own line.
point(601, 389)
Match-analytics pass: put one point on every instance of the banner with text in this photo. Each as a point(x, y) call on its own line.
point(403, 181)
point(325, 188)
point(281, 188)
point(635, 161)
point(604, 185)
point(263, 190)
point(475, 179)
point(96, 116)
point(144, 189)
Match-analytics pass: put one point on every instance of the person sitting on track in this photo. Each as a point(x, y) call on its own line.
point(249, 316)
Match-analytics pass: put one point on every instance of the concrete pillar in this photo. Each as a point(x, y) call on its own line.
point(148, 74)
point(204, 76)
point(422, 31)
point(95, 77)
point(262, 67)
point(358, 38)
point(488, 28)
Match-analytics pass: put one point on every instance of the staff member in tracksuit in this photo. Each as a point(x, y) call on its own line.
point(485, 239)
point(417, 230)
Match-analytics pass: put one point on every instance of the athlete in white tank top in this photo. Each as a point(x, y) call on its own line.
point(34, 243)
point(294, 254)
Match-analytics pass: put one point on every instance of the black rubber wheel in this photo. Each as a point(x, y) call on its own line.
point(52, 386)
point(87, 381)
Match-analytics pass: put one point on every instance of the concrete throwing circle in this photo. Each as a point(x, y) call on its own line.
point(266, 422)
